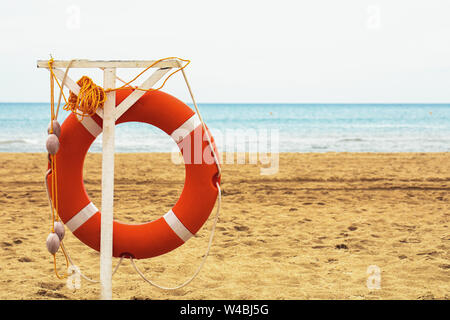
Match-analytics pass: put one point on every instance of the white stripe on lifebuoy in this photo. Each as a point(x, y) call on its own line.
point(186, 128)
point(90, 125)
point(177, 227)
point(81, 217)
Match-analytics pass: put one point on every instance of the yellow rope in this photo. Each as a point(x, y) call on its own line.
point(89, 99)
point(153, 64)
point(54, 191)
point(55, 267)
point(52, 75)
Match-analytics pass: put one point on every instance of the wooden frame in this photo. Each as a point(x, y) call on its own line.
point(110, 114)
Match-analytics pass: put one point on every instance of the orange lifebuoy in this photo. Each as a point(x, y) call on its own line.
point(181, 222)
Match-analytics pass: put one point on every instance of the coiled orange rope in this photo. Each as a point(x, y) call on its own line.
point(90, 98)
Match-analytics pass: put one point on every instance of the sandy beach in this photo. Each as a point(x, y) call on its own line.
point(308, 232)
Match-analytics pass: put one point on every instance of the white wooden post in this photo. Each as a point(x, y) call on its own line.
point(106, 235)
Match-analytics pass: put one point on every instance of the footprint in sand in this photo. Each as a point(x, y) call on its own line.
point(25, 259)
point(241, 228)
point(180, 292)
point(139, 298)
point(276, 254)
point(228, 244)
point(159, 269)
point(51, 286)
point(51, 294)
point(410, 240)
point(219, 256)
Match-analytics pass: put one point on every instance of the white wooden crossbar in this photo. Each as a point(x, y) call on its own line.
point(136, 94)
point(109, 64)
point(69, 83)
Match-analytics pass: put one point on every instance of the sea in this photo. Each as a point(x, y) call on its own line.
point(287, 127)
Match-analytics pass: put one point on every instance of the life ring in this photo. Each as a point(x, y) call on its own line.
point(170, 231)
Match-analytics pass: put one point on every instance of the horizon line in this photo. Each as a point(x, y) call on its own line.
point(271, 102)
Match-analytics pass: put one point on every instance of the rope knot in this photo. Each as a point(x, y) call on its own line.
point(90, 98)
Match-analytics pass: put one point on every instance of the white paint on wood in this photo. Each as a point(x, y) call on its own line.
point(172, 63)
point(69, 83)
point(90, 125)
point(136, 94)
point(106, 234)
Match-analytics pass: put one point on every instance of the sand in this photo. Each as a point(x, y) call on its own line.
point(308, 232)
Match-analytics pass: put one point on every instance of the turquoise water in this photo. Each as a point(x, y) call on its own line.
point(299, 128)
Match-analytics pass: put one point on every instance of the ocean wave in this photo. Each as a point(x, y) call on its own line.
point(24, 141)
point(351, 140)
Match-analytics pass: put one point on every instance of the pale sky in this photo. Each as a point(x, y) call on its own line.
point(241, 51)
